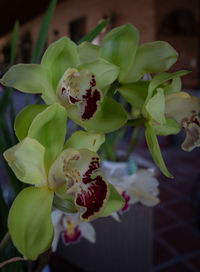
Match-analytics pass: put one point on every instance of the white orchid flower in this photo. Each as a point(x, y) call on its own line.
point(142, 186)
point(71, 229)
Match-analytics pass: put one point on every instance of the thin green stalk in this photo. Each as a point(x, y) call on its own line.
point(136, 122)
point(5, 241)
point(134, 142)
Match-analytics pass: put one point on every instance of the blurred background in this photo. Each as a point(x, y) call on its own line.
point(168, 236)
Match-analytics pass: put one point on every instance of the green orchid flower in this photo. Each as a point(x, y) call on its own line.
point(42, 160)
point(79, 86)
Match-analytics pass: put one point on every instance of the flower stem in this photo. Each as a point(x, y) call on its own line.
point(4, 241)
point(14, 259)
point(136, 122)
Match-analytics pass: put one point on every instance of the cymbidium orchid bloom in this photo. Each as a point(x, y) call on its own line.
point(185, 108)
point(71, 228)
point(79, 86)
point(40, 159)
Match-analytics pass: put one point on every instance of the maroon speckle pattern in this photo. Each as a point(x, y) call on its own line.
point(73, 100)
point(94, 164)
point(71, 238)
point(91, 99)
point(63, 90)
point(93, 198)
point(127, 199)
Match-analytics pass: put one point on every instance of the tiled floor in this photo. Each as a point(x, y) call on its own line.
point(176, 246)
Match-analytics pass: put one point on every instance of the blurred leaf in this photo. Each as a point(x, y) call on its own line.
point(95, 32)
point(14, 42)
point(42, 36)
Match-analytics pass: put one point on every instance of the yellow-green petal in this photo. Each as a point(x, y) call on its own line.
point(82, 139)
point(30, 223)
point(26, 159)
point(25, 118)
point(49, 128)
point(87, 52)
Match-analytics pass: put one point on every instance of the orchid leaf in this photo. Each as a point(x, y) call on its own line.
point(110, 117)
point(82, 139)
point(156, 107)
point(114, 203)
point(171, 127)
point(154, 148)
point(14, 42)
point(95, 32)
point(135, 93)
point(42, 36)
point(105, 72)
point(26, 159)
point(25, 118)
point(119, 47)
point(88, 52)
point(29, 221)
point(154, 57)
point(58, 57)
point(49, 128)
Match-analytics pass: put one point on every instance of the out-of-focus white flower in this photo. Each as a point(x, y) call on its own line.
point(71, 229)
point(142, 186)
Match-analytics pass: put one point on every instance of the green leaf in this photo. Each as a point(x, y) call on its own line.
point(42, 36)
point(153, 57)
point(171, 127)
point(94, 33)
point(110, 117)
point(135, 93)
point(114, 203)
point(14, 41)
point(30, 223)
point(155, 150)
point(81, 139)
point(87, 52)
point(26, 159)
point(25, 118)
point(49, 128)
point(119, 47)
point(58, 57)
point(28, 78)
point(105, 72)
point(156, 107)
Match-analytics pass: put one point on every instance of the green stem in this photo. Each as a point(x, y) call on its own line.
point(134, 142)
point(136, 122)
point(5, 241)
point(112, 88)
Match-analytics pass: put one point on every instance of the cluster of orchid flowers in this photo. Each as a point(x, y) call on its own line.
point(78, 82)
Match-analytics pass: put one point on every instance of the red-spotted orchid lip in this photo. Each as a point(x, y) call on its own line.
point(77, 169)
point(79, 88)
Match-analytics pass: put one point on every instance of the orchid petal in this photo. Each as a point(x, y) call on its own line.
point(88, 232)
point(58, 228)
point(25, 118)
point(114, 203)
point(58, 57)
point(82, 139)
point(29, 78)
point(49, 128)
point(87, 52)
point(135, 93)
point(171, 127)
point(29, 221)
point(155, 150)
point(119, 47)
point(153, 57)
point(173, 87)
point(90, 189)
point(156, 107)
point(26, 159)
point(110, 117)
point(105, 72)
point(57, 176)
